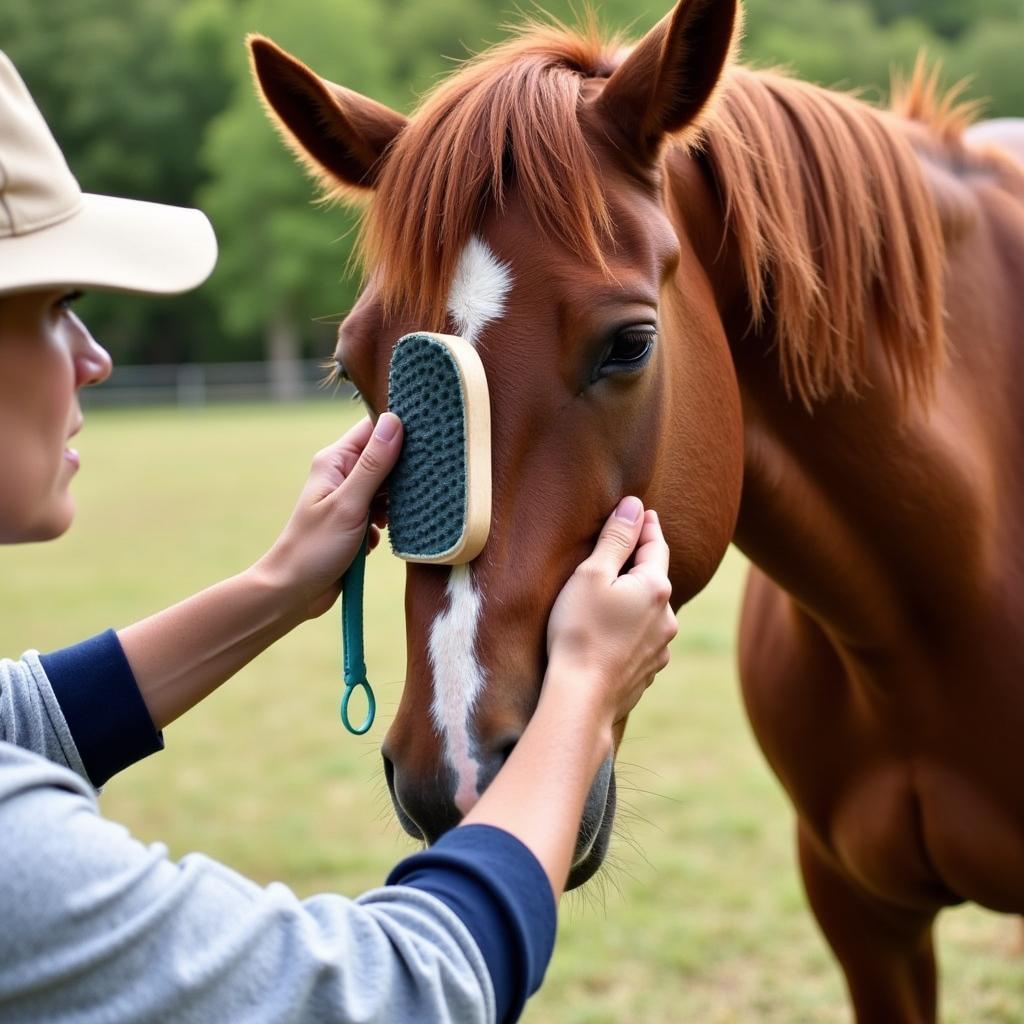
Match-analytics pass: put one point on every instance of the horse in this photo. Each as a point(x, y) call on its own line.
point(784, 318)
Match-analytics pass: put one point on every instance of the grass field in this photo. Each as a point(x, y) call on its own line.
point(699, 917)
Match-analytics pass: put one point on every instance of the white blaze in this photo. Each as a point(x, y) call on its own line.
point(458, 680)
point(477, 297)
point(479, 289)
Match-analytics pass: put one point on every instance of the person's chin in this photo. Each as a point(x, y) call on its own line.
point(56, 520)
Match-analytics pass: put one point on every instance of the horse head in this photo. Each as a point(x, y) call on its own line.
point(521, 206)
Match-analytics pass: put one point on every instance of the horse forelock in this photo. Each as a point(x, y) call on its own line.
point(509, 114)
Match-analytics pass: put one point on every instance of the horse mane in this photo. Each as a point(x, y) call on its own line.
point(920, 98)
point(839, 239)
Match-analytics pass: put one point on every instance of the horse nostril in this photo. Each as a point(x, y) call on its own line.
point(422, 800)
point(504, 749)
point(408, 825)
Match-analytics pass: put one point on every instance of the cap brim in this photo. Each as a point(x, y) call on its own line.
point(114, 244)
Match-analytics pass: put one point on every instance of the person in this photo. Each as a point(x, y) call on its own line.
point(100, 927)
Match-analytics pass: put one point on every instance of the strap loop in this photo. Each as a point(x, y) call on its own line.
point(354, 660)
point(371, 707)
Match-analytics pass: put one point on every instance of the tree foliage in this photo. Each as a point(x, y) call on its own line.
point(947, 18)
point(155, 100)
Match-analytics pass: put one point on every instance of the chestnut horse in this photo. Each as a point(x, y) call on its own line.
point(683, 276)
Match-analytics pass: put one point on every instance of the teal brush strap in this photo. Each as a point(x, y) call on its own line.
point(352, 640)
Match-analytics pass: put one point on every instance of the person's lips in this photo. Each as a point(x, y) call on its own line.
point(70, 454)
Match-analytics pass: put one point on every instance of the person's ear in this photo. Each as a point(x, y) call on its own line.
point(671, 74)
point(339, 134)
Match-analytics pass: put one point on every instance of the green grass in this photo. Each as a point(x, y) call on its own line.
point(699, 917)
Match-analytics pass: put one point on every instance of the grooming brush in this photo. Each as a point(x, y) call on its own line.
point(439, 493)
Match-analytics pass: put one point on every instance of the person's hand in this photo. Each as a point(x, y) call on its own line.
point(608, 634)
point(323, 535)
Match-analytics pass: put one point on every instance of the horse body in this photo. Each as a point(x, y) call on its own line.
point(835, 295)
point(882, 634)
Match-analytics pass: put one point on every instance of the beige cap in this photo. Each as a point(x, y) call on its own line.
point(52, 234)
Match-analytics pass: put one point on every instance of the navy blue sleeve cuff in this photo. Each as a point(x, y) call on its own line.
point(500, 892)
point(105, 712)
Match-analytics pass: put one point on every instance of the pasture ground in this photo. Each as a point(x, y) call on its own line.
point(699, 918)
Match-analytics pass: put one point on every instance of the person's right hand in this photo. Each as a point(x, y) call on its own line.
point(326, 529)
point(608, 634)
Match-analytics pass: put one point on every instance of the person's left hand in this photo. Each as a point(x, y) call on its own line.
point(323, 535)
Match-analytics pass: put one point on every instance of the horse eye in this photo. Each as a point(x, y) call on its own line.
point(334, 373)
point(631, 348)
point(337, 377)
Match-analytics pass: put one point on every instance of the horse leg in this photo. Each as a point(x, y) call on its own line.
point(885, 952)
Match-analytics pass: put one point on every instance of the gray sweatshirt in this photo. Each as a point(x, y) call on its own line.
point(98, 928)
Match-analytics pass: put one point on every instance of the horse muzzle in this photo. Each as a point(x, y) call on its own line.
point(426, 806)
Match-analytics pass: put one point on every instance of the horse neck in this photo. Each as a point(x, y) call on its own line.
point(863, 510)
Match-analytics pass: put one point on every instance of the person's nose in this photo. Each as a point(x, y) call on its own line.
point(93, 364)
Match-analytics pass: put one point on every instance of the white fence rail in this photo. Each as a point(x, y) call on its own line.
point(202, 383)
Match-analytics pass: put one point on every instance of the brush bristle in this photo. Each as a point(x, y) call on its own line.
point(427, 491)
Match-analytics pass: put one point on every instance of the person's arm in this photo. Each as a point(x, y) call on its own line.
point(31, 716)
point(182, 654)
point(462, 932)
point(98, 925)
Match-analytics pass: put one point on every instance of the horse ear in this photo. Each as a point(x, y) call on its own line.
point(339, 134)
point(668, 78)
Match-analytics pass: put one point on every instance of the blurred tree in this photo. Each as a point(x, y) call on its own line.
point(948, 18)
point(837, 44)
point(991, 54)
point(426, 41)
point(859, 42)
point(284, 257)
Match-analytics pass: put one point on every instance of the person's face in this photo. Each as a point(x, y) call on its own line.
point(46, 355)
